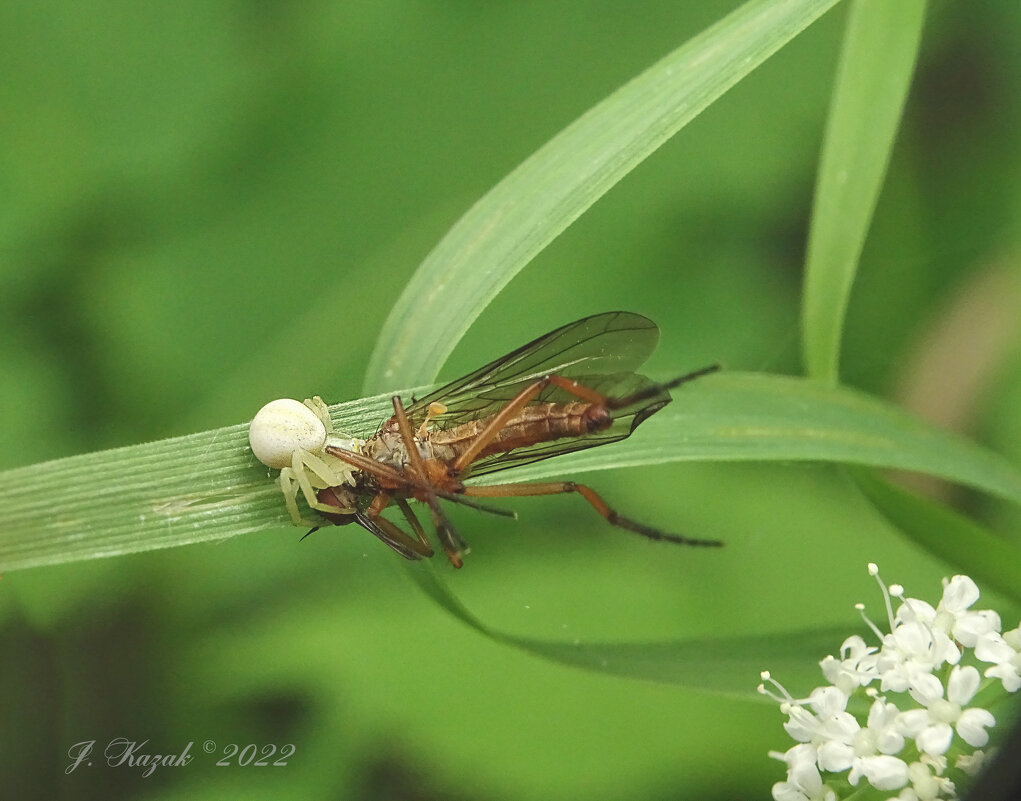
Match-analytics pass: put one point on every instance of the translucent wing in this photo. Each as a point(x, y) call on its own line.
point(624, 422)
point(600, 352)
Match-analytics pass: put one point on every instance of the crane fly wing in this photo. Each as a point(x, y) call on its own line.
point(600, 352)
point(625, 421)
point(608, 344)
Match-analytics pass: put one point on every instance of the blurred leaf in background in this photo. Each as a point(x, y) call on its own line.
point(187, 186)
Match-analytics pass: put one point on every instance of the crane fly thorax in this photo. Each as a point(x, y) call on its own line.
point(388, 447)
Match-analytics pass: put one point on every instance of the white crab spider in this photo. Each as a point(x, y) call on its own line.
point(292, 437)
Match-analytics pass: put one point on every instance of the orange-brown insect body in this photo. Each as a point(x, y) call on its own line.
point(541, 422)
point(440, 449)
point(571, 389)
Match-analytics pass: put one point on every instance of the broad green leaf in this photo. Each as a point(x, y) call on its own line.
point(876, 64)
point(530, 207)
point(209, 486)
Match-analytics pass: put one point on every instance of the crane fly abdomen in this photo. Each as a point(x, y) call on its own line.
point(540, 422)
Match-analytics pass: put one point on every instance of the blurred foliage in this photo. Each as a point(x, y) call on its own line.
point(186, 184)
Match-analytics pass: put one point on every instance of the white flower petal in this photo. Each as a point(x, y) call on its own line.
point(913, 609)
point(963, 684)
point(893, 679)
point(842, 727)
point(935, 739)
point(959, 594)
point(993, 648)
point(807, 777)
point(854, 647)
point(882, 733)
point(925, 688)
point(798, 755)
point(1006, 673)
point(881, 713)
point(944, 649)
point(855, 667)
point(803, 784)
point(890, 742)
point(884, 772)
point(911, 639)
point(835, 757)
point(786, 791)
point(973, 625)
point(913, 721)
point(972, 726)
point(801, 724)
point(827, 701)
point(923, 782)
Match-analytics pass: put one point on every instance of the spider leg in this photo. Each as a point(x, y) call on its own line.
point(302, 464)
point(322, 411)
point(289, 486)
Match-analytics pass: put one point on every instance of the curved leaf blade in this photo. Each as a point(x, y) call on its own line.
point(990, 560)
point(727, 665)
point(876, 65)
point(529, 208)
point(209, 486)
point(755, 417)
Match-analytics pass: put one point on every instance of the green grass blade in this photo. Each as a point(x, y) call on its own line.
point(728, 665)
point(990, 560)
point(178, 491)
point(529, 208)
point(755, 417)
point(209, 486)
point(878, 58)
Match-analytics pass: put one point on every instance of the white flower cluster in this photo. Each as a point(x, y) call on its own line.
point(920, 686)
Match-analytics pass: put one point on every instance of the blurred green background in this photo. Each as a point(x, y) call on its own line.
point(207, 205)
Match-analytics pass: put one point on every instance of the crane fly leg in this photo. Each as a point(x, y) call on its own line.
point(376, 524)
point(412, 478)
point(453, 545)
point(416, 526)
point(394, 537)
point(408, 437)
point(378, 469)
point(375, 513)
point(563, 487)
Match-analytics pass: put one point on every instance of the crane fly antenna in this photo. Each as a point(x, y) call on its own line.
point(656, 389)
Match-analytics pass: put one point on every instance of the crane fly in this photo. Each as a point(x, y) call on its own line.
point(572, 389)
